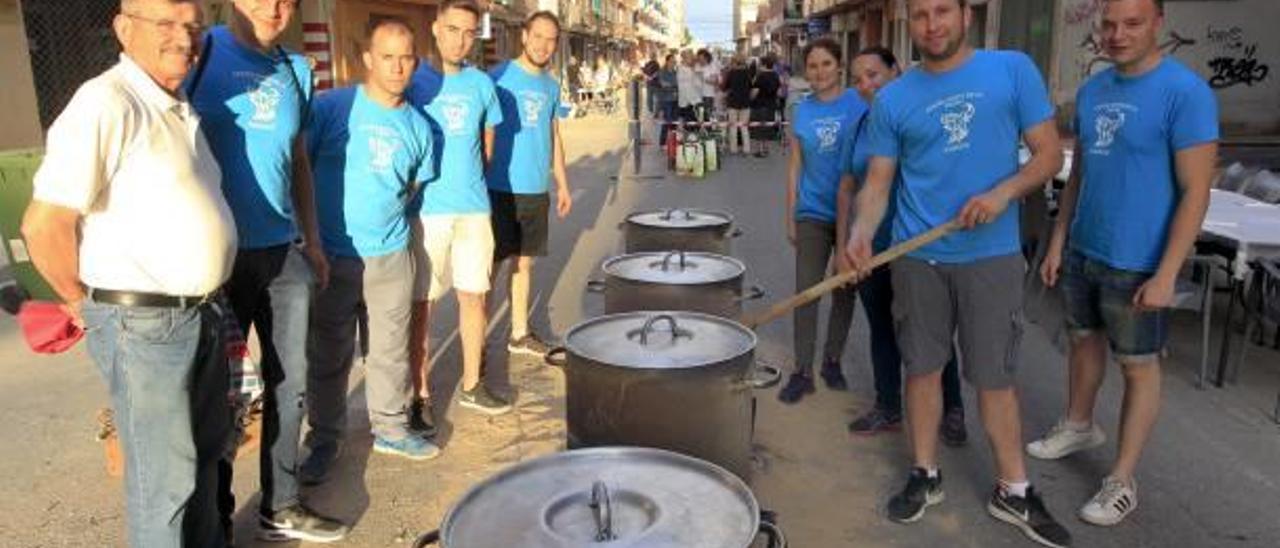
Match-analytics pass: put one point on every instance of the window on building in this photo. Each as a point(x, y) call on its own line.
point(1027, 25)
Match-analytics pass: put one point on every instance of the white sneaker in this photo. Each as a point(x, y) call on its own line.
point(1112, 503)
point(1063, 440)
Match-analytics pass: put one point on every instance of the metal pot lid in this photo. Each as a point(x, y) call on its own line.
point(675, 267)
point(614, 497)
point(660, 340)
point(681, 218)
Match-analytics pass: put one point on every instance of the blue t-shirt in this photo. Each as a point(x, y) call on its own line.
point(859, 161)
point(459, 107)
point(251, 107)
point(955, 135)
point(370, 162)
point(824, 130)
point(1130, 128)
point(522, 153)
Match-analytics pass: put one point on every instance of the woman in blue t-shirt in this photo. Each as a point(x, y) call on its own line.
point(822, 128)
point(873, 68)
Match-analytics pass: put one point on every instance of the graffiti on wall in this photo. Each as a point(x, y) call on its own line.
point(1235, 60)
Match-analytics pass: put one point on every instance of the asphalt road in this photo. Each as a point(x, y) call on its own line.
point(1211, 476)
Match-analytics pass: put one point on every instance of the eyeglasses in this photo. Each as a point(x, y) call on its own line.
point(169, 26)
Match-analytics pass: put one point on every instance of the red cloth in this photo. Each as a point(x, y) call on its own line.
point(48, 328)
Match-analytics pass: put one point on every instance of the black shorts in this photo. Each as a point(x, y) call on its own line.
point(519, 224)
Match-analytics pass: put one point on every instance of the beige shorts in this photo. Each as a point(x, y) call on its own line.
point(452, 251)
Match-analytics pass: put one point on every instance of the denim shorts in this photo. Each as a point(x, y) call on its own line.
point(1100, 298)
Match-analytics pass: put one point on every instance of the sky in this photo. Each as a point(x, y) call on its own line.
point(710, 21)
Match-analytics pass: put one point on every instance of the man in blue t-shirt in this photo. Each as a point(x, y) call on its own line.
point(372, 153)
point(527, 155)
point(950, 131)
point(252, 99)
point(453, 232)
point(1131, 211)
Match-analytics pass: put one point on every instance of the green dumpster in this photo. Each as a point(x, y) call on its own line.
point(17, 168)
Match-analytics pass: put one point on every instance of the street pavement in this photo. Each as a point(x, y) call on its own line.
point(1210, 477)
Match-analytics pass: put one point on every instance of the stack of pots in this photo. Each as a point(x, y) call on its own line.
point(668, 366)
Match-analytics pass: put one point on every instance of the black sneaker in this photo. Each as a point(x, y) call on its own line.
point(1028, 514)
point(298, 522)
point(833, 376)
point(483, 400)
point(921, 492)
point(529, 345)
point(797, 386)
point(875, 421)
point(421, 422)
point(952, 430)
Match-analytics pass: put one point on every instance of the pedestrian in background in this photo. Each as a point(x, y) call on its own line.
point(688, 87)
point(651, 84)
point(709, 75)
point(764, 105)
point(129, 226)
point(874, 68)
point(824, 125)
point(737, 95)
point(668, 86)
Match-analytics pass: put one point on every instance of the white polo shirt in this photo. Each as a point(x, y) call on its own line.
point(132, 160)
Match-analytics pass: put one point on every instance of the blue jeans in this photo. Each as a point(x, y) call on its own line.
point(886, 358)
point(1100, 298)
point(270, 289)
point(668, 111)
point(166, 370)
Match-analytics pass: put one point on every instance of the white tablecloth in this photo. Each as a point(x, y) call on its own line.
point(1251, 226)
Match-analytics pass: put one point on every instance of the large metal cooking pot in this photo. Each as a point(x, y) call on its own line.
point(619, 497)
point(683, 229)
point(680, 381)
point(675, 280)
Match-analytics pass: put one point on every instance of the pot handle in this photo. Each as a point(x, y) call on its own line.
point(602, 509)
point(429, 538)
point(668, 213)
point(754, 292)
point(595, 286)
point(769, 527)
point(666, 261)
point(551, 359)
point(764, 376)
point(648, 326)
point(735, 233)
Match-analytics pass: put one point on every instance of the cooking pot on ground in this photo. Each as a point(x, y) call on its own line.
point(674, 380)
point(619, 497)
point(674, 280)
point(684, 229)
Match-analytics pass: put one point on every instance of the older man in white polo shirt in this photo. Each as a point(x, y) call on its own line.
point(130, 227)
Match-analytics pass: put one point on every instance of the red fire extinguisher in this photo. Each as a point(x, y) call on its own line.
point(671, 148)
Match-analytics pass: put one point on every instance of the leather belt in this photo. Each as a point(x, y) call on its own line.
point(154, 300)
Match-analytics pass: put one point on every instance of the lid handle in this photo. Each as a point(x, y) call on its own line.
point(648, 326)
point(602, 509)
point(668, 213)
point(666, 261)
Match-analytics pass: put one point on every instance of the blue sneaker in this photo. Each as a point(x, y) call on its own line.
point(409, 447)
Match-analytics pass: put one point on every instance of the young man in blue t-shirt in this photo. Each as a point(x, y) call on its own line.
point(372, 153)
point(252, 99)
point(1131, 211)
point(454, 233)
point(527, 155)
point(950, 129)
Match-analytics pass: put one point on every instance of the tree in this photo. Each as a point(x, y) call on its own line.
point(686, 38)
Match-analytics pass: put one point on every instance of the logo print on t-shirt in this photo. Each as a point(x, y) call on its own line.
point(1109, 118)
point(955, 114)
point(828, 131)
point(531, 105)
point(454, 110)
point(265, 97)
point(381, 153)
